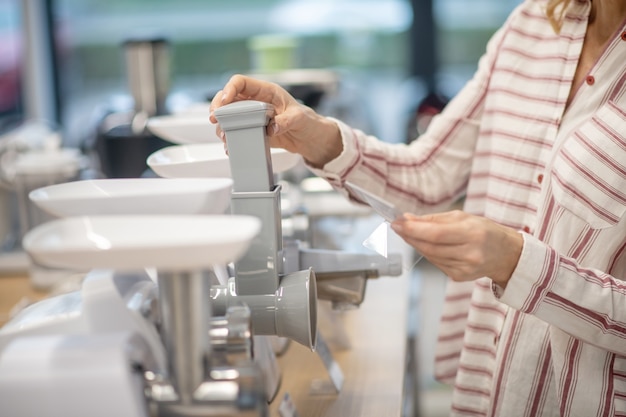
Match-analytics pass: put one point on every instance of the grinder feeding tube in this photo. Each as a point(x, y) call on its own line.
point(260, 271)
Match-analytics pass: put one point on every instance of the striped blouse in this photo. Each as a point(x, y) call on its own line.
point(554, 342)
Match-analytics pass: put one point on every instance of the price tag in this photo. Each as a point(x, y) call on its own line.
point(383, 208)
point(287, 408)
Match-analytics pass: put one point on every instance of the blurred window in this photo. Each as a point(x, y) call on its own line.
point(211, 39)
point(10, 64)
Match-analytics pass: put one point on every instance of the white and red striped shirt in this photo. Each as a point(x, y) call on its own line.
point(554, 342)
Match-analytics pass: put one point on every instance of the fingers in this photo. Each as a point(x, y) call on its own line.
point(463, 246)
point(273, 128)
point(233, 89)
point(237, 88)
point(282, 122)
point(240, 87)
point(443, 217)
point(449, 228)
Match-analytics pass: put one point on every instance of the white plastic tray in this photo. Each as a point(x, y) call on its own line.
point(135, 196)
point(207, 160)
point(184, 128)
point(134, 242)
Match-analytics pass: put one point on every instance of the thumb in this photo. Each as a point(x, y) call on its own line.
point(273, 128)
point(278, 125)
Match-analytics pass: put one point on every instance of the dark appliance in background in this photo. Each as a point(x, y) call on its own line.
point(428, 107)
point(123, 143)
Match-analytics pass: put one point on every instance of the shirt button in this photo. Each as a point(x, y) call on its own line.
point(526, 229)
point(540, 178)
point(590, 80)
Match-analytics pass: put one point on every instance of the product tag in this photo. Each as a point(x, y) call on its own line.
point(287, 408)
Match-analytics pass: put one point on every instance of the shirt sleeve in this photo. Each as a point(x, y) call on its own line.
point(588, 304)
point(431, 172)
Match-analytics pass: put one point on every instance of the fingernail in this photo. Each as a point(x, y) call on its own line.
point(223, 136)
point(275, 128)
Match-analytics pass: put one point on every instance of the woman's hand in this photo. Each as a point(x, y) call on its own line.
point(463, 246)
point(295, 127)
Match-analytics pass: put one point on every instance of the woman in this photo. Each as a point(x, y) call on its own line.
point(534, 322)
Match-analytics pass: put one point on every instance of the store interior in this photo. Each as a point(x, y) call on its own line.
point(95, 90)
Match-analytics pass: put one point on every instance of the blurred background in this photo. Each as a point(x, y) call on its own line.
point(389, 54)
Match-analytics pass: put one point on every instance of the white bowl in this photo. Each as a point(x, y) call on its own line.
point(135, 196)
point(61, 162)
point(184, 128)
point(173, 243)
point(202, 108)
point(207, 160)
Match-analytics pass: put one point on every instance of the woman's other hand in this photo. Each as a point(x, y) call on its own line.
point(463, 246)
point(295, 127)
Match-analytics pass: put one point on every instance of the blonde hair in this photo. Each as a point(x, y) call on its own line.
point(555, 10)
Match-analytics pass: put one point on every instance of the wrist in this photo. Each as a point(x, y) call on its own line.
point(515, 244)
point(327, 145)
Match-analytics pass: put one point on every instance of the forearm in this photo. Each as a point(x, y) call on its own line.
point(327, 145)
point(585, 303)
point(420, 177)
